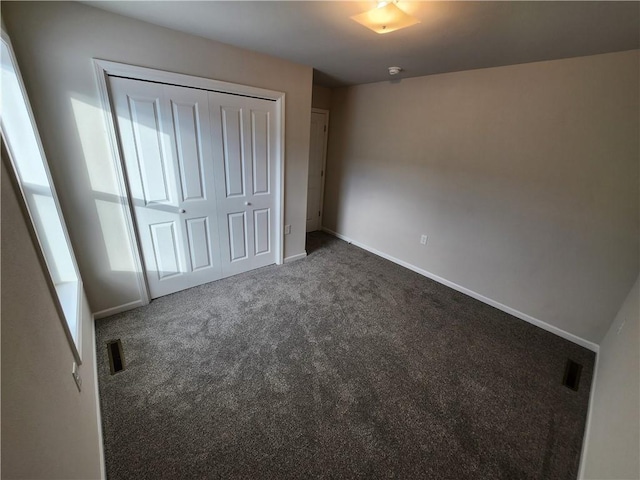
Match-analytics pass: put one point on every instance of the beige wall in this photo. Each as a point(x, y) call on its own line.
point(321, 97)
point(49, 429)
point(54, 43)
point(613, 435)
point(525, 179)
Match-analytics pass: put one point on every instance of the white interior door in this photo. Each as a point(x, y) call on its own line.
point(244, 151)
point(200, 169)
point(317, 156)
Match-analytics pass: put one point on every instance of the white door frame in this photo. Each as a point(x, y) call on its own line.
point(324, 161)
point(104, 69)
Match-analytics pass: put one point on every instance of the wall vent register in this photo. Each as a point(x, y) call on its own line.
point(572, 373)
point(116, 356)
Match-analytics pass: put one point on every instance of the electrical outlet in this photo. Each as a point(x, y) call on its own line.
point(424, 239)
point(287, 229)
point(76, 376)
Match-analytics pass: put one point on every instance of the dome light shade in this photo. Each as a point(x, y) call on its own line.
point(385, 19)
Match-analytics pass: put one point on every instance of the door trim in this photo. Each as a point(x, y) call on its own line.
point(324, 161)
point(106, 68)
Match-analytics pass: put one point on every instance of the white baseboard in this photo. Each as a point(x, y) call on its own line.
point(512, 311)
point(119, 309)
point(587, 429)
point(103, 468)
point(293, 258)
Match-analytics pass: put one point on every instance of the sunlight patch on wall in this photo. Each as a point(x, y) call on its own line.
point(106, 193)
point(89, 120)
point(117, 246)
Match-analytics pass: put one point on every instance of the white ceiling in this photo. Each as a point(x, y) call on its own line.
point(452, 36)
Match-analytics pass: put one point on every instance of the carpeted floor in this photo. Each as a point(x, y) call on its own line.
point(341, 365)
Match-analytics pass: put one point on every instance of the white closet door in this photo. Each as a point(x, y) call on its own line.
point(166, 140)
point(315, 185)
point(244, 141)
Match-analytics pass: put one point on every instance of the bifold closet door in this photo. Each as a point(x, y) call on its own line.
point(200, 167)
point(244, 141)
point(165, 133)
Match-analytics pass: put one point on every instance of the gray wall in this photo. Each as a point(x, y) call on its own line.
point(321, 97)
point(54, 43)
point(613, 436)
point(49, 429)
point(524, 177)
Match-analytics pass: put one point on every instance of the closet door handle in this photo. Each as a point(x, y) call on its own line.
point(247, 203)
point(182, 210)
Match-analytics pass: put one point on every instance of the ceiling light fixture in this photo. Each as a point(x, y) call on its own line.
point(385, 18)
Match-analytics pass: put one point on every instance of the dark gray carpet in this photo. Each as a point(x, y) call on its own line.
point(341, 365)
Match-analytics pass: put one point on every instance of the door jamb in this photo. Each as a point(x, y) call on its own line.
point(104, 69)
point(324, 162)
